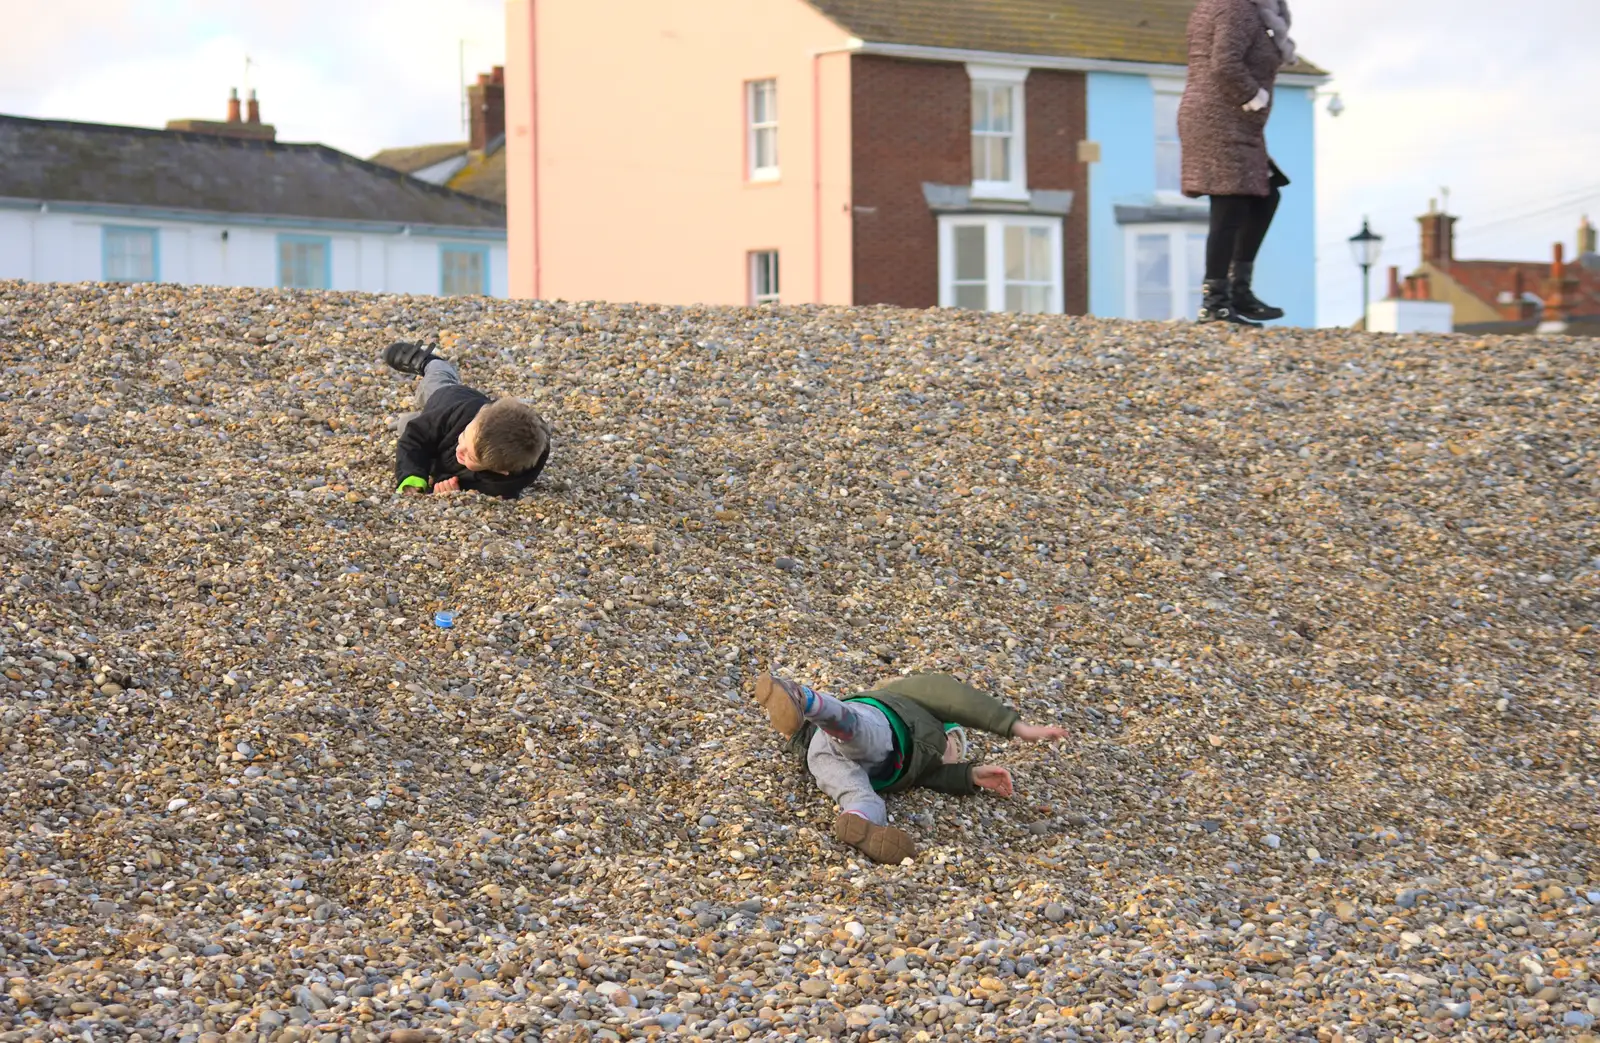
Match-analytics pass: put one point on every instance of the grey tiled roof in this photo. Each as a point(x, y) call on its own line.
point(61, 161)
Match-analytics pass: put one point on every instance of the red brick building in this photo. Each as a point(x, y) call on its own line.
point(1559, 295)
point(908, 152)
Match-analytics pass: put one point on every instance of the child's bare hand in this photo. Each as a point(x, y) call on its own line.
point(446, 487)
point(1037, 732)
point(993, 778)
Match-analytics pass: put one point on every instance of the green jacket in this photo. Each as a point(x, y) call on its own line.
point(924, 703)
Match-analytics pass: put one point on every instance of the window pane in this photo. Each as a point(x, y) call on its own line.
point(1016, 253)
point(1166, 116)
point(1028, 299)
point(1000, 158)
point(980, 108)
point(970, 254)
point(1040, 269)
point(1197, 270)
point(1153, 277)
point(764, 277)
point(764, 102)
point(130, 254)
point(1169, 166)
point(974, 297)
point(1000, 109)
point(463, 272)
point(766, 143)
point(302, 265)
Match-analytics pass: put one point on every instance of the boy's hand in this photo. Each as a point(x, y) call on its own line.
point(1038, 732)
point(446, 487)
point(993, 778)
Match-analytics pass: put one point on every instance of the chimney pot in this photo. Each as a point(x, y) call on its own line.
point(499, 74)
point(253, 108)
point(1394, 281)
point(233, 105)
point(1586, 237)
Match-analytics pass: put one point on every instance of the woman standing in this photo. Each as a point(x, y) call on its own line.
point(1236, 48)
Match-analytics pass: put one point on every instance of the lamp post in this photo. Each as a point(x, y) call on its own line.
point(1366, 247)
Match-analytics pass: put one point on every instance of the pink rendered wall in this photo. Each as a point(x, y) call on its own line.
point(627, 179)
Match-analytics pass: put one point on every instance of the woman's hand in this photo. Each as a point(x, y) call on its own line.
point(1259, 102)
point(993, 778)
point(1038, 732)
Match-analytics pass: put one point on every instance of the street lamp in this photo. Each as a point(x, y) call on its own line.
point(1366, 247)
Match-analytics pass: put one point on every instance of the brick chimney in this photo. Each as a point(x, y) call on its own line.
point(486, 101)
point(1395, 289)
point(1563, 295)
point(253, 109)
point(1586, 238)
point(1438, 236)
point(235, 126)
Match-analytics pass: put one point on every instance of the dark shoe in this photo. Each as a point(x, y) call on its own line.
point(1216, 305)
point(1245, 302)
point(408, 358)
point(782, 701)
point(883, 844)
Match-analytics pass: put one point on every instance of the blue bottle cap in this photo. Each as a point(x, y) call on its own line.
point(444, 618)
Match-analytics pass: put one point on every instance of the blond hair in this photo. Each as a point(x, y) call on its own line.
point(511, 436)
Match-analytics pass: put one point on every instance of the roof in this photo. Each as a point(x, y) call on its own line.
point(484, 176)
point(66, 162)
point(1487, 280)
point(1151, 31)
point(412, 158)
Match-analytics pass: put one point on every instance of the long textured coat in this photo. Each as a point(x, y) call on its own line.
point(1231, 57)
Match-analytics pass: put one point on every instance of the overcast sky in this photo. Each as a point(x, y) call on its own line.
point(1495, 101)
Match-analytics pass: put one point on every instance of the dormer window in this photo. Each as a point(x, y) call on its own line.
point(999, 133)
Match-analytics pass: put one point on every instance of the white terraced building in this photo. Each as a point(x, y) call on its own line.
point(220, 204)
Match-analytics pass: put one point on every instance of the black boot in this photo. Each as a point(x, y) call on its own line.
point(1245, 302)
point(1216, 304)
point(408, 358)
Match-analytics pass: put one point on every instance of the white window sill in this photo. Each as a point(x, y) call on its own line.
point(1000, 190)
point(765, 175)
point(1172, 197)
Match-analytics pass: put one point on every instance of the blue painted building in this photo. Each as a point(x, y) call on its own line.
point(1147, 241)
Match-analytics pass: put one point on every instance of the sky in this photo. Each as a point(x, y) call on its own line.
point(1493, 102)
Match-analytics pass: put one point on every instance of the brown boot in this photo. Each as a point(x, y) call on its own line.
point(782, 702)
point(883, 844)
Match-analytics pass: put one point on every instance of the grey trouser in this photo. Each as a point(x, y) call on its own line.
point(439, 373)
point(843, 767)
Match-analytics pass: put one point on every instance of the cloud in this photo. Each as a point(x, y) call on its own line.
point(1488, 101)
point(359, 77)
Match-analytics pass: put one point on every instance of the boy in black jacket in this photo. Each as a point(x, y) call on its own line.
point(459, 440)
point(910, 732)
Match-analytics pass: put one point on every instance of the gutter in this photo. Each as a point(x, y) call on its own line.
point(284, 221)
point(1063, 63)
point(851, 46)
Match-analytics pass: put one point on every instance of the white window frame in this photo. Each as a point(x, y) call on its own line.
point(1171, 88)
point(1184, 282)
point(754, 130)
point(1012, 79)
point(760, 291)
point(994, 226)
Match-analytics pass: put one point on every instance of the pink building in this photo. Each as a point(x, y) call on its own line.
point(907, 152)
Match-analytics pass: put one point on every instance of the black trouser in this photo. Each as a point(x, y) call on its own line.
point(1238, 227)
